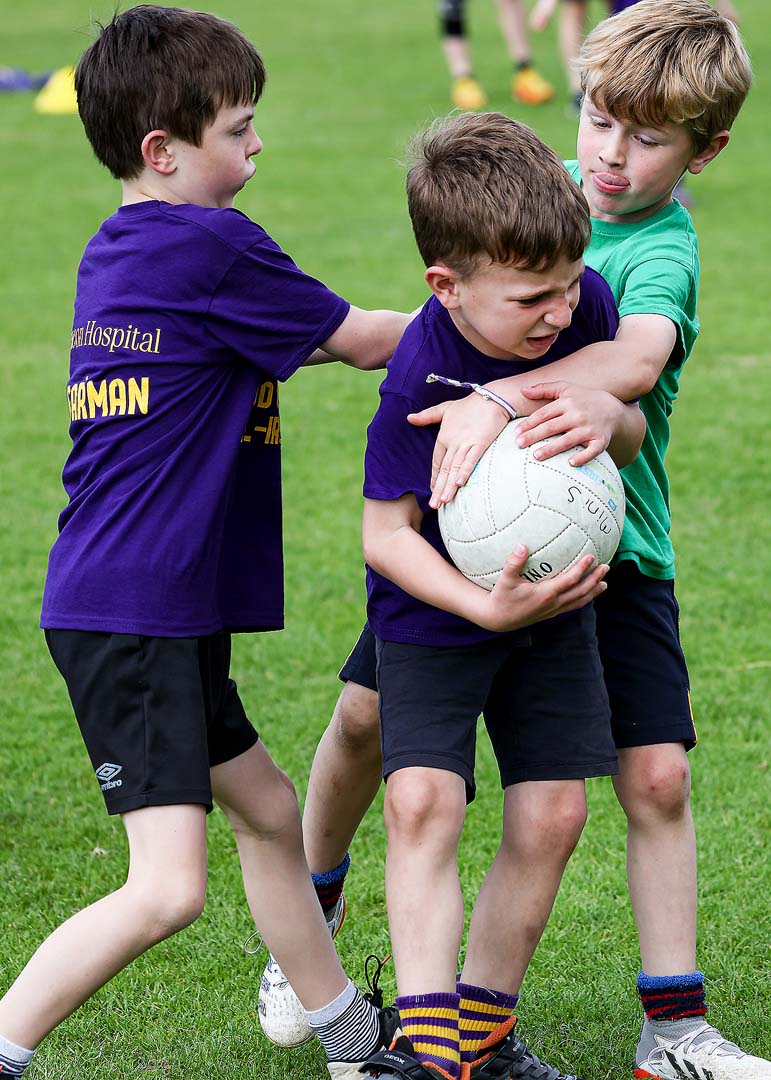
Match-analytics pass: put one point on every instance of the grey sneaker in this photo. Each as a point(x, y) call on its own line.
point(282, 1017)
point(700, 1054)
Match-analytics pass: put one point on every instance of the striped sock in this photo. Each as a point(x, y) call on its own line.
point(348, 1028)
point(481, 1012)
point(329, 885)
point(13, 1059)
point(672, 997)
point(430, 1022)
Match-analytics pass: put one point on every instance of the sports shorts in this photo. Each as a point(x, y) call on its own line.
point(643, 663)
point(540, 691)
point(645, 670)
point(360, 666)
point(155, 713)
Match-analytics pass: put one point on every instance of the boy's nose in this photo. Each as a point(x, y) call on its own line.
point(255, 146)
point(612, 153)
point(561, 315)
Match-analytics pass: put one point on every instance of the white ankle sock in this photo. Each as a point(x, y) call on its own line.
point(13, 1058)
point(348, 1028)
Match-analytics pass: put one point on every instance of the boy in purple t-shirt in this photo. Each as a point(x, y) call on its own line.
point(186, 317)
point(502, 232)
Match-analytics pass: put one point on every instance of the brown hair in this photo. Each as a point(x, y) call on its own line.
point(167, 68)
point(482, 187)
point(668, 61)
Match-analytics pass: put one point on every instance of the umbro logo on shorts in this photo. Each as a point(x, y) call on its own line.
point(106, 775)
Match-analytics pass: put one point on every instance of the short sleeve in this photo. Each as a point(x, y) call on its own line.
point(663, 287)
point(398, 457)
point(271, 313)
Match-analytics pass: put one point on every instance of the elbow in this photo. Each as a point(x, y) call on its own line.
point(646, 377)
point(374, 359)
point(371, 553)
point(628, 439)
point(623, 456)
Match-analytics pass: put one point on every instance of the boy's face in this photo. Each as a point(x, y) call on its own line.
point(506, 312)
point(629, 171)
point(213, 173)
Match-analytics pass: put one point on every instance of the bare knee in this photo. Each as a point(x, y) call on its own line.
point(422, 807)
point(544, 820)
point(276, 816)
point(355, 721)
point(655, 784)
point(169, 904)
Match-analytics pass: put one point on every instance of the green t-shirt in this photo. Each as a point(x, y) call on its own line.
point(652, 266)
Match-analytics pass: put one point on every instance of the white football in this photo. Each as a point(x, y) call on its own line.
point(557, 510)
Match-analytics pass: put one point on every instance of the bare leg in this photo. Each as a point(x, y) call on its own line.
point(654, 791)
point(542, 14)
point(572, 25)
point(164, 892)
point(527, 85)
point(424, 813)
point(458, 56)
point(345, 778)
point(513, 20)
point(542, 822)
point(261, 806)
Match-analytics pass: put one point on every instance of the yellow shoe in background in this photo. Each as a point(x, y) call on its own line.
point(58, 95)
point(529, 87)
point(467, 94)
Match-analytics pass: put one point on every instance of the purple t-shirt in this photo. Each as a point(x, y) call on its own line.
point(185, 320)
point(398, 455)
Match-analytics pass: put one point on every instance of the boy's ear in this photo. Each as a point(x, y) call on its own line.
point(443, 283)
point(703, 158)
point(157, 154)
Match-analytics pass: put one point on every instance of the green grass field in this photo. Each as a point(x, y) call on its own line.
point(349, 83)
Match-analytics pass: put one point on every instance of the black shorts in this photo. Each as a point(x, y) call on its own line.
point(540, 690)
point(645, 670)
point(360, 666)
point(155, 713)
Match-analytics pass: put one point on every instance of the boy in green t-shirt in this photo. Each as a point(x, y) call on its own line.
point(663, 83)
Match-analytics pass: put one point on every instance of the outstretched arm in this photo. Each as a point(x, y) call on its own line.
point(394, 548)
point(365, 339)
point(626, 367)
point(542, 14)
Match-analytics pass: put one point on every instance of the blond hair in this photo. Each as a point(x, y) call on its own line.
point(668, 61)
point(484, 188)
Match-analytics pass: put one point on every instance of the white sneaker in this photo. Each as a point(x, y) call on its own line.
point(282, 1017)
point(701, 1054)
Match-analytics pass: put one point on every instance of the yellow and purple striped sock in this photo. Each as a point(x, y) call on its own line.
point(430, 1022)
point(481, 1011)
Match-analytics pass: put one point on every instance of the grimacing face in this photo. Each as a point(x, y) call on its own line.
point(509, 312)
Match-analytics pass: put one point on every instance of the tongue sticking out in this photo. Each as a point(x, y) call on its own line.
point(610, 182)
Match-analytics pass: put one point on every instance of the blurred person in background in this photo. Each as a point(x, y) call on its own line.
point(527, 85)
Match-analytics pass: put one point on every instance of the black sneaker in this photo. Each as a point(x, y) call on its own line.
point(397, 1063)
point(504, 1057)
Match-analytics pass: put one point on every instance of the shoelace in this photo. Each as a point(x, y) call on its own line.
point(251, 950)
point(247, 946)
point(374, 993)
